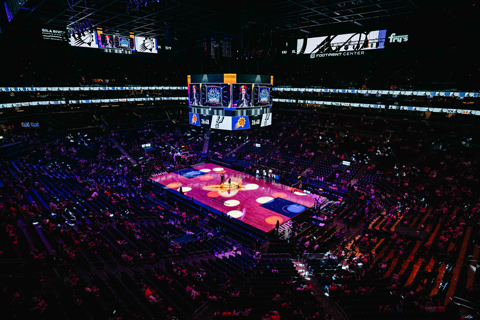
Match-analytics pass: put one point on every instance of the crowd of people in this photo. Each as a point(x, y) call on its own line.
point(97, 237)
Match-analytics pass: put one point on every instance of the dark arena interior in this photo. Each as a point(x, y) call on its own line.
point(289, 159)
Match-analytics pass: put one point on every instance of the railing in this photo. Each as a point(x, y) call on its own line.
point(338, 312)
point(200, 310)
point(420, 93)
point(122, 150)
point(89, 88)
point(378, 106)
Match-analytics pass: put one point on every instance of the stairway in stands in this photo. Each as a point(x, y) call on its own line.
point(163, 140)
point(235, 150)
point(122, 150)
point(178, 132)
point(328, 306)
point(286, 227)
point(315, 161)
point(358, 175)
point(206, 142)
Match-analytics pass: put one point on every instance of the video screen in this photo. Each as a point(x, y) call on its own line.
point(221, 123)
point(266, 120)
point(194, 119)
point(241, 95)
point(113, 41)
point(240, 123)
point(369, 40)
point(262, 95)
point(147, 45)
point(194, 94)
point(229, 123)
point(124, 42)
point(107, 41)
point(215, 95)
point(85, 39)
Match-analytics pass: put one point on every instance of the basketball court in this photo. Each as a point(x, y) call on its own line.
point(252, 200)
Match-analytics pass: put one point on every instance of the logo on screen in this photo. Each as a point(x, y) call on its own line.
point(148, 44)
point(213, 95)
point(194, 119)
point(337, 45)
point(400, 38)
point(264, 95)
point(218, 122)
point(267, 117)
point(86, 38)
point(240, 123)
point(124, 43)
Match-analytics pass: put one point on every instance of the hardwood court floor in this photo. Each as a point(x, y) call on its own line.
point(254, 201)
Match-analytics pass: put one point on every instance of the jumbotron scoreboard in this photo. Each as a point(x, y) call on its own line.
point(230, 101)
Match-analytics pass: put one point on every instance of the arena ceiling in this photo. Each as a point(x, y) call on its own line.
point(199, 20)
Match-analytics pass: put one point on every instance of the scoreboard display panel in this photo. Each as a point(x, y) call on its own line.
point(242, 95)
point(215, 95)
point(85, 39)
point(115, 41)
point(125, 43)
point(146, 44)
point(111, 43)
point(230, 101)
point(194, 95)
point(262, 95)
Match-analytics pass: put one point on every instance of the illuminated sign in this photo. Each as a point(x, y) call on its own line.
point(342, 44)
point(52, 34)
point(194, 119)
point(221, 122)
point(240, 123)
point(400, 38)
point(146, 45)
point(266, 120)
point(85, 39)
